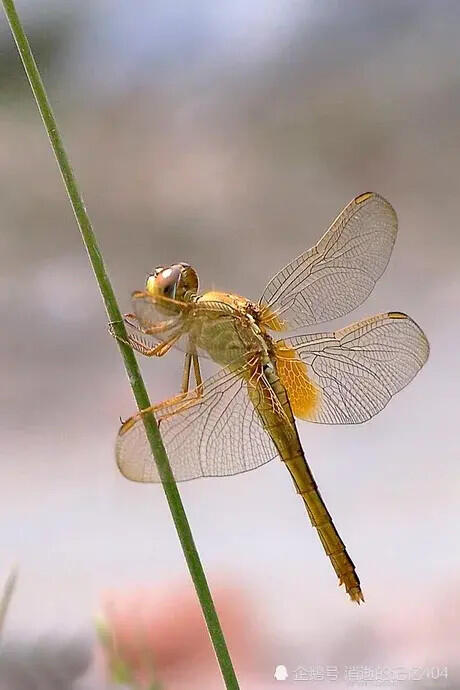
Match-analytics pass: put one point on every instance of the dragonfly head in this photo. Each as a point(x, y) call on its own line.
point(176, 282)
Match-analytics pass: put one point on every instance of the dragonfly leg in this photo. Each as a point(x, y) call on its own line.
point(197, 373)
point(181, 402)
point(136, 342)
point(189, 358)
point(188, 400)
point(111, 324)
point(162, 348)
point(186, 397)
point(186, 374)
point(158, 350)
point(129, 320)
point(160, 327)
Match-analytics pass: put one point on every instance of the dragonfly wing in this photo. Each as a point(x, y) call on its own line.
point(144, 342)
point(353, 372)
point(151, 311)
point(144, 330)
point(149, 316)
point(339, 272)
point(216, 434)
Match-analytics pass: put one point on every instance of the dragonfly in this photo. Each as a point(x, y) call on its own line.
point(244, 415)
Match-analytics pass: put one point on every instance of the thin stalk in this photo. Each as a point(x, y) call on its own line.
point(6, 596)
point(140, 393)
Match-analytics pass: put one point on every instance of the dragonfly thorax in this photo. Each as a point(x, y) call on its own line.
point(228, 335)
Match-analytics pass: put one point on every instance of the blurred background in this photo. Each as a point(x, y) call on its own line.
point(227, 135)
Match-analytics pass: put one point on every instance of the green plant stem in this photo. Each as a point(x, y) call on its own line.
point(132, 369)
point(6, 596)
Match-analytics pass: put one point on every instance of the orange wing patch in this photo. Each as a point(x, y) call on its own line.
point(303, 394)
point(271, 320)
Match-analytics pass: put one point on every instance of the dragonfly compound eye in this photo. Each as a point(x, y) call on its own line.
point(178, 282)
point(163, 281)
point(188, 282)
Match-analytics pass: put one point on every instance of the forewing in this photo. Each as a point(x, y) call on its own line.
point(339, 272)
point(214, 435)
point(152, 324)
point(144, 342)
point(151, 311)
point(356, 370)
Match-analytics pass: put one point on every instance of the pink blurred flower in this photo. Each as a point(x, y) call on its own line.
point(161, 634)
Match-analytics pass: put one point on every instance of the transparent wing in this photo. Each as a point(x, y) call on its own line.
point(151, 323)
point(339, 272)
point(152, 311)
point(356, 370)
point(144, 342)
point(217, 434)
point(155, 321)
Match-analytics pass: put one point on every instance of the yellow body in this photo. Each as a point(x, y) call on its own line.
point(279, 387)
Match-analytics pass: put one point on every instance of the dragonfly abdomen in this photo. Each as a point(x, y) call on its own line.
point(285, 437)
point(321, 519)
